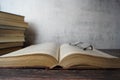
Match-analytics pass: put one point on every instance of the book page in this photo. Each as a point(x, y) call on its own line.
point(44, 48)
point(67, 49)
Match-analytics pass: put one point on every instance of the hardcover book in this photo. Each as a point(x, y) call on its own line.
point(9, 16)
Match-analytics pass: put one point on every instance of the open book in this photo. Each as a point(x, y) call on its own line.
point(50, 55)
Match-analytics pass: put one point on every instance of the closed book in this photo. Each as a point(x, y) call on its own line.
point(10, 16)
point(12, 27)
point(11, 39)
point(8, 32)
point(10, 44)
point(8, 50)
point(13, 23)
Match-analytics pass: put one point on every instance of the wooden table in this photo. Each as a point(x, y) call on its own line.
point(39, 74)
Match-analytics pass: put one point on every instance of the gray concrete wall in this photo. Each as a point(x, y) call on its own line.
point(93, 21)
point(0, 5)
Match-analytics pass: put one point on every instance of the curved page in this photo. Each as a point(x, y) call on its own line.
point(44, 48)
point(67, 49)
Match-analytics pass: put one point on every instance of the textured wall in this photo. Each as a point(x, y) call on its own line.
point(0, 5)
point(93, 21)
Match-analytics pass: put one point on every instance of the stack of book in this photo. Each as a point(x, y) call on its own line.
point(12, 29)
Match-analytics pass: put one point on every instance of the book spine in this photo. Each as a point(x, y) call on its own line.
point(7, 32)
point(13, 20)
point(12, 27)
point(11, 39)
point(6, 15)
point(12, 35)
point(3, 31)
point(10, 44)
point(11, 23)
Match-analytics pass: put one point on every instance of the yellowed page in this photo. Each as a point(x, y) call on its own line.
point(67, 49)
point(46, 48)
